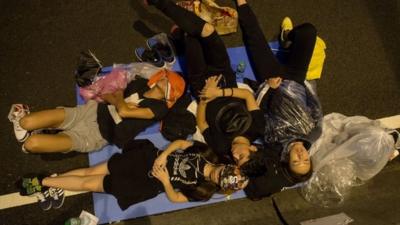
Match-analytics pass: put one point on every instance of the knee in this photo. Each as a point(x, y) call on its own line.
point(89, 171)
point(208, 29)
point(94, 184)
point(32, 144)
point(26, 122)
point(306, 30)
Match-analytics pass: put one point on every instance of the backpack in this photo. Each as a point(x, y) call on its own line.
point(179, 122)
point(87, 69)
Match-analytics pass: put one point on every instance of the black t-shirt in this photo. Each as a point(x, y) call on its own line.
point(275, 179)
point(219, 142)
point(185, 169)
point(121, 132)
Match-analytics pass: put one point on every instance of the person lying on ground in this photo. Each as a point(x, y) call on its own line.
point(290, 104)
point(229, 120)
point(91, 126)
point(142, 171)
point(292, 112)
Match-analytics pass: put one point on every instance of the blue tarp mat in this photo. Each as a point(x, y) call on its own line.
point(105, 205)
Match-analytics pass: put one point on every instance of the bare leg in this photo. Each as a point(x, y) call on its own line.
point(76, 183)
point(47, 143)
point(83, 179)
point(99, 169)
point(51, 118)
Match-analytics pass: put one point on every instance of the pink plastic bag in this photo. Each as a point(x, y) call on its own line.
point(109, 83)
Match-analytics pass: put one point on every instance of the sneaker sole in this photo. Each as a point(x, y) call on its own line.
point(24, 138)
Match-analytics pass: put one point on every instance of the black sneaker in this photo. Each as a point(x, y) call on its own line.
point(44, 200)
point(57, 197)
point(161, 44)
point(150, 56)
point(396, 137)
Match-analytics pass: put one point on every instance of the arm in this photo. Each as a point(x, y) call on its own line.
point(172, 195)
point(126, 110)
point(201, 116)
point(175, 145)
point(215, 92)
point(162, 175)
point(161, 160)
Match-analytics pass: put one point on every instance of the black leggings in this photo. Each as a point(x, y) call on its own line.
point(264, 63)
point(205, 56)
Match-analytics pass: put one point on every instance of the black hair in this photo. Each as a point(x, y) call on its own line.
point(204, 190)
point(255, 166)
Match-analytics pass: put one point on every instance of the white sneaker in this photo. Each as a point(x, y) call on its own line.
point(17, 112)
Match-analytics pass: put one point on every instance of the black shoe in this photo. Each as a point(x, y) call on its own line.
point(57, 197)
point(150, 56)
point(45, 200)
point(161, 44)
point(396, 137)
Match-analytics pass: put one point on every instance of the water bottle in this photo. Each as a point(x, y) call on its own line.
point(73, 221)
point(240, 68)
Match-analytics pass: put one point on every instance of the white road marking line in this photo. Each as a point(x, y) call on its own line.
point(14, 199)
point(391, 122)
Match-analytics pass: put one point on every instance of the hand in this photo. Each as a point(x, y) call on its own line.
point(274, 82)
point(160, 162)
point(212, 81)
point(161, 174)
point(210, 93)
point(132, 105)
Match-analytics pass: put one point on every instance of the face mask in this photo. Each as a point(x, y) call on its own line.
point(228, 180)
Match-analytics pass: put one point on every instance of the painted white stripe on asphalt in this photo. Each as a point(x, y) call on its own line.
point(391, 122)
point(14, 199)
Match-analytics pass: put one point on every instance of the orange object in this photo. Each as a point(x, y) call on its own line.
point(176, 85)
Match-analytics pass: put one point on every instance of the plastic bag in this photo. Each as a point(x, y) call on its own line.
point(350, 151)
point(115, 80)
point(224, 19)
point(118, 78)
point(294, 111)
point(142, 69)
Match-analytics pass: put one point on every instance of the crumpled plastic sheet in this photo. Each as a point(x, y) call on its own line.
point(294, 111)
point(350, 151)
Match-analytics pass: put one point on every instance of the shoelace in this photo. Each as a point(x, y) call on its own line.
point(55, 193)
point(42, 196)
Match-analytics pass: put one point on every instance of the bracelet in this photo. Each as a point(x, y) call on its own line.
point(223, 92)
point(231, 92)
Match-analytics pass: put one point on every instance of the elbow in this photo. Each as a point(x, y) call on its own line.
point(122, 112)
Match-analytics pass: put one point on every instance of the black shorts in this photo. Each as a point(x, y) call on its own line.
point(129, 180)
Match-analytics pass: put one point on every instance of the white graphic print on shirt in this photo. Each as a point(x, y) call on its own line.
point(186, 168)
